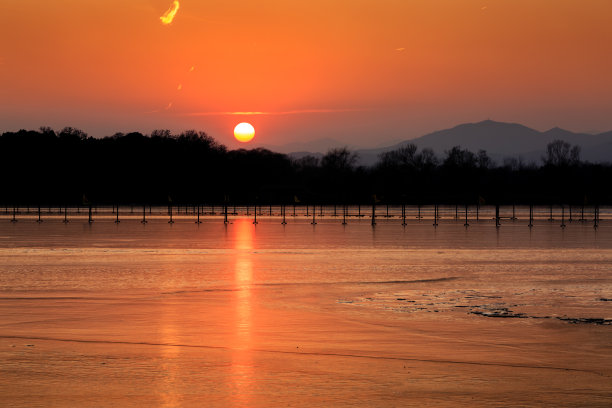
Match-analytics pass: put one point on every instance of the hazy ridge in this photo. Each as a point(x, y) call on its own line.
point(499, 139)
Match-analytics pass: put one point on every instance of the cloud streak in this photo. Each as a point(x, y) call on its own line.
point(272, 113)
point(169, 15)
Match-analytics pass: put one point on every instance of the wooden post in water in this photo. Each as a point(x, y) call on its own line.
point(117, 215)
point(314, 212)
point(596, 218)
point(321, 211)
point(144, 214)
point(466, 224)
point(359, 210)
point(387, 214)
point(335, 214)
point(14, 219)
point(497, 223)
point(39, 219)
point(551, 213)
point(530, 216)
point(562, 216)
point(90, 220)
point(456, 211)
point(570, 213)
point(198, 220)
point(65, 214)
point(404, 215)
point(513, 213)
point(478, 212)
point(170, 213)
point(373, 214)
point(419, 211)
point(344, 210)
point(582, 214)
point(283, 210)
point(225, 221)
point(255, 212)
point(435, 224)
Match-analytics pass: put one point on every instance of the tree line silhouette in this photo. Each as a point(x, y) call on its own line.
point(69, 167)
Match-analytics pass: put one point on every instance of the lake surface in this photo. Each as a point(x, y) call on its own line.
point(245, 315)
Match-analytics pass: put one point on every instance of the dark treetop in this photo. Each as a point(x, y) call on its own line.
point(58, 168)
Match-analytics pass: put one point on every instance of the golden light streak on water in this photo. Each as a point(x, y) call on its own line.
point(242, 361)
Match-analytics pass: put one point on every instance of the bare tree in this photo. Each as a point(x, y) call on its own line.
point(339, 159)
point(405, 156)
point(561, 153)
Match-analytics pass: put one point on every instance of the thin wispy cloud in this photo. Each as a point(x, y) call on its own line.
point(272, 113)
point(169, 15)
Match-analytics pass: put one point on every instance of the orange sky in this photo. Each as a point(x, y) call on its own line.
point(363, 72)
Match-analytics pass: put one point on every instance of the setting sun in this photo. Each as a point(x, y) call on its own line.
point(244, 132)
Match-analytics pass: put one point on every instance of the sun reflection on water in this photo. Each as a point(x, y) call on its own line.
point(242, 362)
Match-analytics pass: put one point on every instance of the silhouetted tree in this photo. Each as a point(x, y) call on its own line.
point(306, 162)
point(51, 167)
point(457, 158)
point(484, 161)
point(427, 159)
point(339, 159)
point(560, 153)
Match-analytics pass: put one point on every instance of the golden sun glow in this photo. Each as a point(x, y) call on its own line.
point(169, 15)
point(244, 132)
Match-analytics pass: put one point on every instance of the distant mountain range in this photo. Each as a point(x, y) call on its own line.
point(500, 140)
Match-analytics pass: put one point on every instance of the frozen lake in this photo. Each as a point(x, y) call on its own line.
point(263, 315)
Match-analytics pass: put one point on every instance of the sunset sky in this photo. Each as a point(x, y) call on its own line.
point(364, 72)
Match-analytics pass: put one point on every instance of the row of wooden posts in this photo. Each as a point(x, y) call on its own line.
point(345, 214)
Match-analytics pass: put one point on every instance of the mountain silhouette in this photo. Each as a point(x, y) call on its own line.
point(500, 140)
